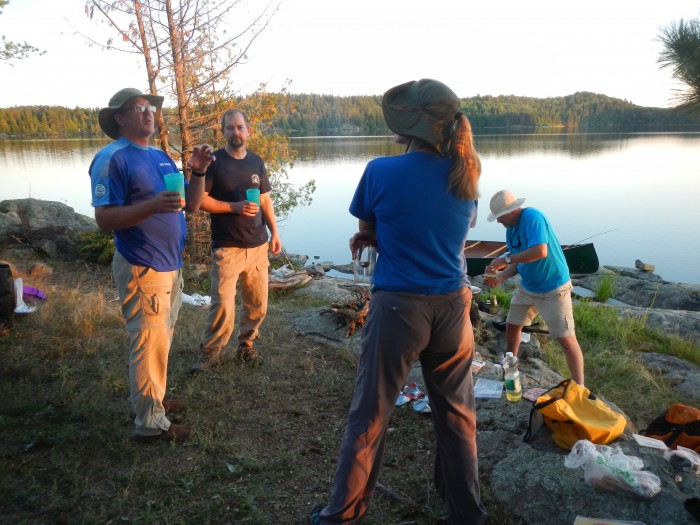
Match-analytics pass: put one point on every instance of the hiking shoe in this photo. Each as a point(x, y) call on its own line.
point(173, 406)
point(206, 361)
point(246, 355)
point(315, 518)
point(175, 434)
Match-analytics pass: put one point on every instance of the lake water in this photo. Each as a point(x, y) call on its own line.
point(633, 195)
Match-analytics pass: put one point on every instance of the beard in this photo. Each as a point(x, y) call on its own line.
point(236, 143)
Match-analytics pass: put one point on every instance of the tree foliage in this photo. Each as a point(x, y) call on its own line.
point(14, 50)
point(190, 48)
point(329, 115)
point(276, 115)
point(681, 53)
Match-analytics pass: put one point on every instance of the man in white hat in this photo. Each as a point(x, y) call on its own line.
point(130, 198)
point(545, 287)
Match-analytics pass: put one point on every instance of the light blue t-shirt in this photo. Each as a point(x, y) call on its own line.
point(546, 274)
point(124, 173)
point(421, 227)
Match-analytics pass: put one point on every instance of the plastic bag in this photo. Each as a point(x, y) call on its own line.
point(684, 459)
point(608, 468)
point(488, 388)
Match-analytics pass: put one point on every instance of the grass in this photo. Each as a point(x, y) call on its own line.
point(604, 288)
point(503, 297)
point(611, 348)
point(265, 440)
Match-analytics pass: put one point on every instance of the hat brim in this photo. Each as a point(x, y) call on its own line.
point(493, 216)
point(106, 115)
point(421, 108)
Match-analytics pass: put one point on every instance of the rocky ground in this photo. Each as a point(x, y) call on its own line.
point(528, 477)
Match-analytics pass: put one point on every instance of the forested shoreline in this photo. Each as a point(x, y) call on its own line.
point(309, 114)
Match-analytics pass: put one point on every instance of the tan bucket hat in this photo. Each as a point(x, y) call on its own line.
point(121, 97)
point(503, 202)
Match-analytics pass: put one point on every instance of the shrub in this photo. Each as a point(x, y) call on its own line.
point(97, 247)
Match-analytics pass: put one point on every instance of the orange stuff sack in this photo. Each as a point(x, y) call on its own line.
point(573, 413)
point(680, 425)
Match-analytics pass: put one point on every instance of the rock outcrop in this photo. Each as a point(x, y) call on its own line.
point(530, 479)
point(50, 227)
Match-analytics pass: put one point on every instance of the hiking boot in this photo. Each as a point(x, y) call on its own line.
point(246, 355)
point(315, 518)
point(175, 434)
point(173, 406)
point(206, 361)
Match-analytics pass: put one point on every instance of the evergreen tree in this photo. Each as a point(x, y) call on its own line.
point(682, 54)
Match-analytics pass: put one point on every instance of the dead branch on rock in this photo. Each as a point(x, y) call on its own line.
point(353, 313)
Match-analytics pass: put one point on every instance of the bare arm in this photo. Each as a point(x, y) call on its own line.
point(366, 235)
point(201, 157)
point(268, 212)
point(212, 205)
point(121, 217)
point(194, 194)
point(534, 253)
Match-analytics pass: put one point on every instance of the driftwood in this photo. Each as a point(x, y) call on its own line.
point(353, 313)
point(292, 280)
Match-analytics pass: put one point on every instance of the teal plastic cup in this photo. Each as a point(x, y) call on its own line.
point(253, 195)
point(175, 182)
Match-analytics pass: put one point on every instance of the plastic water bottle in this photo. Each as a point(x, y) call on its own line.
point(514, 389)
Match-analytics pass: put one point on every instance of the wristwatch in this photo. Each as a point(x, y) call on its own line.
point(507, 259)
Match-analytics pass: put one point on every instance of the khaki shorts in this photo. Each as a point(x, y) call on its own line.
point(555, 308)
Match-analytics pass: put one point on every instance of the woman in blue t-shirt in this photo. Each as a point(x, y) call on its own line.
point(416, 208)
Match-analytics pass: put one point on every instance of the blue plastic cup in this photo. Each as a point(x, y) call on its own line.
point(175, 182)
point(253, 195)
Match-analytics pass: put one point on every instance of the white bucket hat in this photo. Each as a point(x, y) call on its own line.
point(503, 202)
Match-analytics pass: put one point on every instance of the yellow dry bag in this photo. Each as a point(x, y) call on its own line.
point(572, 413)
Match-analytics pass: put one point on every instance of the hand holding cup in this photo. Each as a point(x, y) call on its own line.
point(176, 182)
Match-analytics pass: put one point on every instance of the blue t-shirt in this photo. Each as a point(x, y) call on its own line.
point(546, 274)
point(124, 173)
point(421, 227)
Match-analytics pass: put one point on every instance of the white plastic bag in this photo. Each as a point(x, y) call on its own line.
point(22, 307)
point(684, 459)
point(196, 299)
point(488, 388)
point(608, 468)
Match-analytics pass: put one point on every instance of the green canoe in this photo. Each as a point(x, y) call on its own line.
point(581, 258)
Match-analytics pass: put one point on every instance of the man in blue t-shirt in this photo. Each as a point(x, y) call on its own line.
point(535, 253)
point(130, 197)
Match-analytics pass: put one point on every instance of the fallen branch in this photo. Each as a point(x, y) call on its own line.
point(407, 502)
point(352, 314)
point(292, 280)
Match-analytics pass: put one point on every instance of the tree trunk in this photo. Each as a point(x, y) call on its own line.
point(162, 139)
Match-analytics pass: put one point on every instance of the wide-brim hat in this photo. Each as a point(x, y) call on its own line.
point(121, 97)
point(503, 202)
point(421, 108)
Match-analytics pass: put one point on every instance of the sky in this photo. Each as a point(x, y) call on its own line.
point(533, 48)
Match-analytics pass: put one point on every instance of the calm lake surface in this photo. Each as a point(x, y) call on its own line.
point(635, 196)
